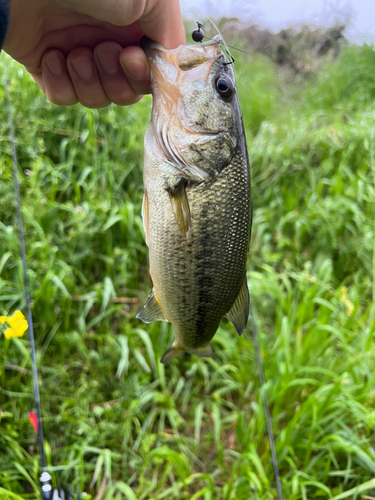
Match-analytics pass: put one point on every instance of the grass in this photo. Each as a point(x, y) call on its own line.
point(119, 424)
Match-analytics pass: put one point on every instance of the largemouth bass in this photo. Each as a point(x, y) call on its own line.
point(197, 202)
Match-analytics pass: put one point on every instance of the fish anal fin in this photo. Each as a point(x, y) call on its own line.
point(205, 351)
point(151, 311)
point(180, 207)
point(145, 215)
point(171, 353)
point(239, 312)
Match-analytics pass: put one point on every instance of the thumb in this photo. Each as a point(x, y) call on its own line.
point(163, 24)
point(160, 20)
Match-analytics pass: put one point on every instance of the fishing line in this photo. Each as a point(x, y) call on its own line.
point(48, 493)
point(198, 33)
point(267, 412)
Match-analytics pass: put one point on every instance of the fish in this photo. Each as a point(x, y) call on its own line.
point(197, 207)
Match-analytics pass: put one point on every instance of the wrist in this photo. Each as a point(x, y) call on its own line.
point(4, 20)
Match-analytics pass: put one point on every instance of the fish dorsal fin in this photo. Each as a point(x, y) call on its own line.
point(181, 209)
point(151, 311)
point(239, 311)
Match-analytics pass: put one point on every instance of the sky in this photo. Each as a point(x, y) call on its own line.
point(277, 14)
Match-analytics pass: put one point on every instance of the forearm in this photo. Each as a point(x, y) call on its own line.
point(4, 17)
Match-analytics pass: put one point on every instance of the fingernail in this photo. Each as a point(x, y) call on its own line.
point(54, 63)
point(134, 69)
point(108, 58)
point(84, 67)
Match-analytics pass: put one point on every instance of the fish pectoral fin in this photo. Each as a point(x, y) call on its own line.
point(151, 311)
point(239, 311)
point(203, 352)
point(180, 207)
point(171, 353)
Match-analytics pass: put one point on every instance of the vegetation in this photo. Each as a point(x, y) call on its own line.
point(119, 424)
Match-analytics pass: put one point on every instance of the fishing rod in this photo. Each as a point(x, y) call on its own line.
point(197, 36)
point(47, 491)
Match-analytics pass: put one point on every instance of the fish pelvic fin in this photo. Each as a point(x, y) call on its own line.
point(239, 312)
point(181, 209)
point(151, 311)
point(171, 353)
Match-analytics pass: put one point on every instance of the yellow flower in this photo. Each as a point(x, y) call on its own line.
point(17, 322)
point(345, 300)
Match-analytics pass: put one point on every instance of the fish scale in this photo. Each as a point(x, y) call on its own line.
point(199, 274)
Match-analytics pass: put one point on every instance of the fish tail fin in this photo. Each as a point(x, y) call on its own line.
point(171, 353)
point(174, 351)
point(205, 351)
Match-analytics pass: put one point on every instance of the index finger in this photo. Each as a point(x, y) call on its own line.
point(162, 22)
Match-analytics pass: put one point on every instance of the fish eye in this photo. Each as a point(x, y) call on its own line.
point(224, 86)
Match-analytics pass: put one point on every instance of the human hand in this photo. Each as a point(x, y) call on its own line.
point(87, 50)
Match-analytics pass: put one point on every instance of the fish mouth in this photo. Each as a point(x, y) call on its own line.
point(184, 57)
point(148, 44)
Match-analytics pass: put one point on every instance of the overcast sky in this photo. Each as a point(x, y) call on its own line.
point(277, 14)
